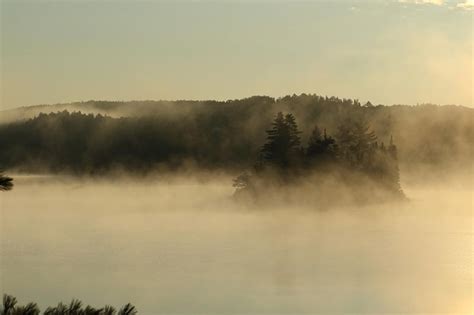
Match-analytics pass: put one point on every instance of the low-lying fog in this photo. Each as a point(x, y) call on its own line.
point(182, 246)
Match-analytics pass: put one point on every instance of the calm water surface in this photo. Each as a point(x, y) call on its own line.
point(184, 247)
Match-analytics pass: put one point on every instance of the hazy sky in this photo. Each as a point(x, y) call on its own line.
point(385, 51)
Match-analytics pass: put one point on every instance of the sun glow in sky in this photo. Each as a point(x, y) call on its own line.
point(388, 52)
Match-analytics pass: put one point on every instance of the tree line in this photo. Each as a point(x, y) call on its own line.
point(140, 136)
point(75, 307)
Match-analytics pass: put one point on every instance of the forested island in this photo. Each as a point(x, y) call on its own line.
point(356, 161)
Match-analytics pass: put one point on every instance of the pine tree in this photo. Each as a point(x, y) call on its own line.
point(293, 131)
point(283, 141)
point(356, 141)
point(273, 149)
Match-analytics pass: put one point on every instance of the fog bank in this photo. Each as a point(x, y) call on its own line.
point(182, 246)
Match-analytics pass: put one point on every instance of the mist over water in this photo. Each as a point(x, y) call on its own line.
point(183, 246)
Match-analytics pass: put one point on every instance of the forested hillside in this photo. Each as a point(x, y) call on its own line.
point(93, 137)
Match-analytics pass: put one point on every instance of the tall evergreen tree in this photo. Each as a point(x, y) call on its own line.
point(273, 149)
point(356, 141)
point(293, 132)
point(283, 141)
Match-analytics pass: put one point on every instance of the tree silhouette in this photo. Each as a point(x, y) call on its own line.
point(321, 148)
point(109, 310)
point(9, 303)
point(216, 135)
point(128, 309)
point(75, 307)
point(6, 183)
point(293, 131)
point(283, 141)
point(28, 309)
point(356, 142)
point(10, 307)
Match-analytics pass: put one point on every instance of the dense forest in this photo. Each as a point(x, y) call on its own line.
point(10, 307)
point(94, 137)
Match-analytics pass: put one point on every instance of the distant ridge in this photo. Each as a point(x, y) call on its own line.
point(219, 134)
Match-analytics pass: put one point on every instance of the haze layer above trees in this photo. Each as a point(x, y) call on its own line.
point(96, 136)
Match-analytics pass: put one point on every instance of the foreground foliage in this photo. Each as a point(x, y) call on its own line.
point(76, 307)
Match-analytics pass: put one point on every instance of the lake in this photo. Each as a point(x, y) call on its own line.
point(182, 246)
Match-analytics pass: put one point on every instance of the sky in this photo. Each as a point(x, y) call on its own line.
point(382, 51)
